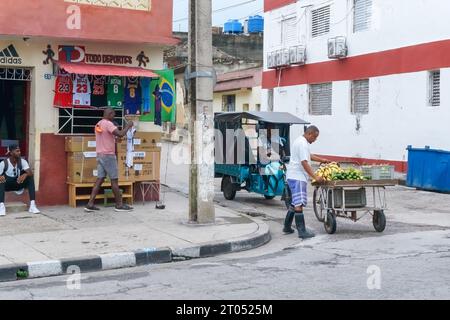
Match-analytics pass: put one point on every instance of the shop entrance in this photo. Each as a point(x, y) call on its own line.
point(14, 108)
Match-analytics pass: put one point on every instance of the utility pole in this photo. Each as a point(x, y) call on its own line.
point(201, 128)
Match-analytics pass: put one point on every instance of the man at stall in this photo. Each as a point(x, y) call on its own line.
point(16, 175)
point(299, 171)
point(106, 132)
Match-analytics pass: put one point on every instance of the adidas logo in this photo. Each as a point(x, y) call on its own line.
point(9, 55)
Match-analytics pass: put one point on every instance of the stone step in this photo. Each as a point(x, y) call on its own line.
point(16, 207)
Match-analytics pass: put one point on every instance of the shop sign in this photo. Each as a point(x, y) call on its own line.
point(9, 55)
point(79, 54)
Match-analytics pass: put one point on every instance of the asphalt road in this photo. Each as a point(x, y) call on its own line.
point(408, 261)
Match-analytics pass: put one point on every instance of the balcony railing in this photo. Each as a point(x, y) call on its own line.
point(142, 5)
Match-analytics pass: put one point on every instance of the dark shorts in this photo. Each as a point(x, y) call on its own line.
point(299, 190)
point(107, 166)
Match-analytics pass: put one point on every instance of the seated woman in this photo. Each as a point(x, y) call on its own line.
point(15, 175)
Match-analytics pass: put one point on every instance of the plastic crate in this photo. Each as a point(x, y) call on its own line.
point(379, 172)
point(353, 198)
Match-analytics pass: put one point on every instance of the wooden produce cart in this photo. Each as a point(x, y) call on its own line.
point(348, 199)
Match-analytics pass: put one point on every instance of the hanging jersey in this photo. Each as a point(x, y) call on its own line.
point(81, 91)
point(133, 96)
point(146, 95)
point(98, 95)
point(115, 92)
point(63, 92)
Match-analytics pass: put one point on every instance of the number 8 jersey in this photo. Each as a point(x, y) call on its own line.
point(81, 91)
point(115, 92)
point(63, 92)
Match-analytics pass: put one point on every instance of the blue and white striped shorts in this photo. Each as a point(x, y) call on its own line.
point(299, 191)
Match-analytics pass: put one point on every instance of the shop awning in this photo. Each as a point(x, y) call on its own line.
point(105, 70)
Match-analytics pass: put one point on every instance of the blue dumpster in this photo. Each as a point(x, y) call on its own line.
point(429, 169)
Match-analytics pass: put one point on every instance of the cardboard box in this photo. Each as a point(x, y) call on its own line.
point(143, 141)
point(146, 166)
point(82, 167)
point(80, 144)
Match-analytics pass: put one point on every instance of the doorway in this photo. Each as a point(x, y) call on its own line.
point(14, 111)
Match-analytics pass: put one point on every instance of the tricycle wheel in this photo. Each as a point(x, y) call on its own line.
point(379, 221)
point(269, 197)
point(330, 223)
point(229, 190)
point(319, 211)
point(287, 197)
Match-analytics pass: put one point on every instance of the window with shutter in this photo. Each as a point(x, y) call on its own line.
point(320, 21)
point(320, 99)
point(360, 97)
point(435, 88)
point(289, 31)
point(362, 15)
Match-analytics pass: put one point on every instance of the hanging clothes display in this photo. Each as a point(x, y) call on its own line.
point(98, 95)
point(81, 91)
point(157, 95)
point(133, 96)
point(146, 95)
point(63, 92)
point(115, 92)
point(130, 147)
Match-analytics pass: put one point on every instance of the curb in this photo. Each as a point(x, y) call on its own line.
point(141, 257)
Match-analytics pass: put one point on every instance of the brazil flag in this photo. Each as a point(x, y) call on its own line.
point(165, 84)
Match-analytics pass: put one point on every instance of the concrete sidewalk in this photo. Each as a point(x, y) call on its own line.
point(47, 244)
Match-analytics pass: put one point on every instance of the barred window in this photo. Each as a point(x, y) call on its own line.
point(362, 15)
point(320, 99)
point(360, 97)
point(435, 88)
point(320, 21)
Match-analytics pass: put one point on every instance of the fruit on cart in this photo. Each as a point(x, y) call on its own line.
point(333, 172)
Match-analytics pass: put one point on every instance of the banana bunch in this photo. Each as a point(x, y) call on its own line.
point(328, 171)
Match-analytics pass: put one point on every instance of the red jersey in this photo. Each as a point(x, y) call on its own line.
point(63, 92)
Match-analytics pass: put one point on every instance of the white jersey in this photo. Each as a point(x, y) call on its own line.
point(81, 91)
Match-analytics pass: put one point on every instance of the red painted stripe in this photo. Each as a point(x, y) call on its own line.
point(275, 4)
point(400, 166)
point(416, 58)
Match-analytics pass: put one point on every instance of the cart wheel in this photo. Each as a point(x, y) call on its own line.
point(229, 191)
point(379, 221)
point(330, 223)
point(287, 197)
point(319, 211)
point(269, 197)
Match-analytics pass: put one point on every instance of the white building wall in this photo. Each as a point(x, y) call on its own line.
point(399, 113)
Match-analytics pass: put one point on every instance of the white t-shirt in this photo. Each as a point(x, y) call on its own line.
point(299, 153)
point(10, 171)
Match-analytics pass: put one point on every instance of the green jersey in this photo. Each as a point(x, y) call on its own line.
point(115, 92)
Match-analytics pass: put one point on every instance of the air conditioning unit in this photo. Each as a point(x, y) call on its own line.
point(284, 57)
point(337, 48)
point(297, 55)
point(271, 60)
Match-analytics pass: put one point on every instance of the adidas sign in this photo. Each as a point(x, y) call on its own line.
point(9, 55)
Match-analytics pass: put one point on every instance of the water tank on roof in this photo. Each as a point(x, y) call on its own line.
point(233, 26)
point(256, 24)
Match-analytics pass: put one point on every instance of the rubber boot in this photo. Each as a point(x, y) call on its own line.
point(288, 222)
point(303, 233)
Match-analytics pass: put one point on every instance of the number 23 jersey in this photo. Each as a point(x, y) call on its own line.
point(63, 92)
point(81, 91)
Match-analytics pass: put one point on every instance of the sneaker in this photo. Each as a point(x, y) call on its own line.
point(2, 210)
point(91, 209)
point(124, 208)
point(34, 209)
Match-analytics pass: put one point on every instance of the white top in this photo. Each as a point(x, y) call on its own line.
point(10, 171)
point(299, 153)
